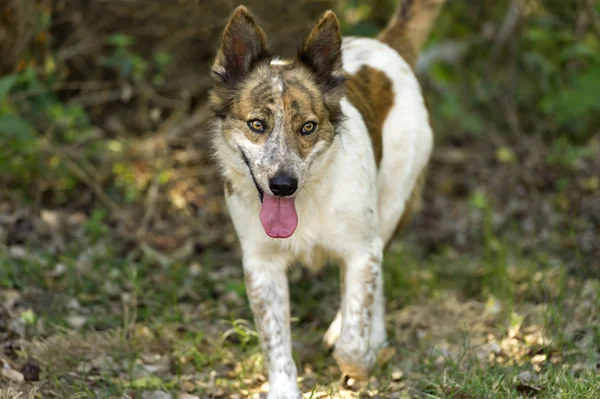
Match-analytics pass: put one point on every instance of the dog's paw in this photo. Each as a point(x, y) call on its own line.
point(354, 362)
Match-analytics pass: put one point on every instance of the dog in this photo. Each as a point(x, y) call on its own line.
point(323, 158)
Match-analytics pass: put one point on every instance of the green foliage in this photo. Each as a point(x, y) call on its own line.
point(95, 226)
point(544, 76)
point(133, 67)
point(18, 129)
point(45, 135)
point(579, 99)
point(32, 120)
point(6, 83)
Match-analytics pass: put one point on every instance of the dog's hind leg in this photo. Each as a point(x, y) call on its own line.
point(267, 289)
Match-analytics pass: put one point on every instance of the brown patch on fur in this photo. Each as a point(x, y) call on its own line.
point(408, 29)
point(371, 92)
point(413, 205)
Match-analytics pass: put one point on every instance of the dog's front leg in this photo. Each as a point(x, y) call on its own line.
point(267, 288)
point(363, 326)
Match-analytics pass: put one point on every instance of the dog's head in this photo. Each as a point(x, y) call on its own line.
point(278, 115)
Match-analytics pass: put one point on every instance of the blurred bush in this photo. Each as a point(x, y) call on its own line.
point(508, 67)
point(84, 79)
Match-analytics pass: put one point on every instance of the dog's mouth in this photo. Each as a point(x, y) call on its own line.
point(277, 214)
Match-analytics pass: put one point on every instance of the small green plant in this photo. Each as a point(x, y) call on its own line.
point(95, 226)
point(247, 336)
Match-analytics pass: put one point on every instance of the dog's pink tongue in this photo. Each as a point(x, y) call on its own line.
point(278, 216)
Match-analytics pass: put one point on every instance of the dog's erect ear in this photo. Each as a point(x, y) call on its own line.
point(243, 44)
point(322, 50)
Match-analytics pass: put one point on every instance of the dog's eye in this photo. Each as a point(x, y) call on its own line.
point(308, 128)
point(256, 126)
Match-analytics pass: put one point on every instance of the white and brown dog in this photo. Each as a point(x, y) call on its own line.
point(323, 157)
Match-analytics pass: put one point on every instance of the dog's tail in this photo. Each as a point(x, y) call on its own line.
point(409, 27)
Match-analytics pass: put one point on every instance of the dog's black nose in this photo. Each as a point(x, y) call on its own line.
point(283, 185)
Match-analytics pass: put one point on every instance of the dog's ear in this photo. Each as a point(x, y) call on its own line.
point(243, 44)
point(321, 50)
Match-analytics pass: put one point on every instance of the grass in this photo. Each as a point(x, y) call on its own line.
point(490, 324)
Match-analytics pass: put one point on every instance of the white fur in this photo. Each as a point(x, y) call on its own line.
point(279, 61)
point(347, 211)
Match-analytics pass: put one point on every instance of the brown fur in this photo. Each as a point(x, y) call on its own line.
point(408, 29)
point(371, 92)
